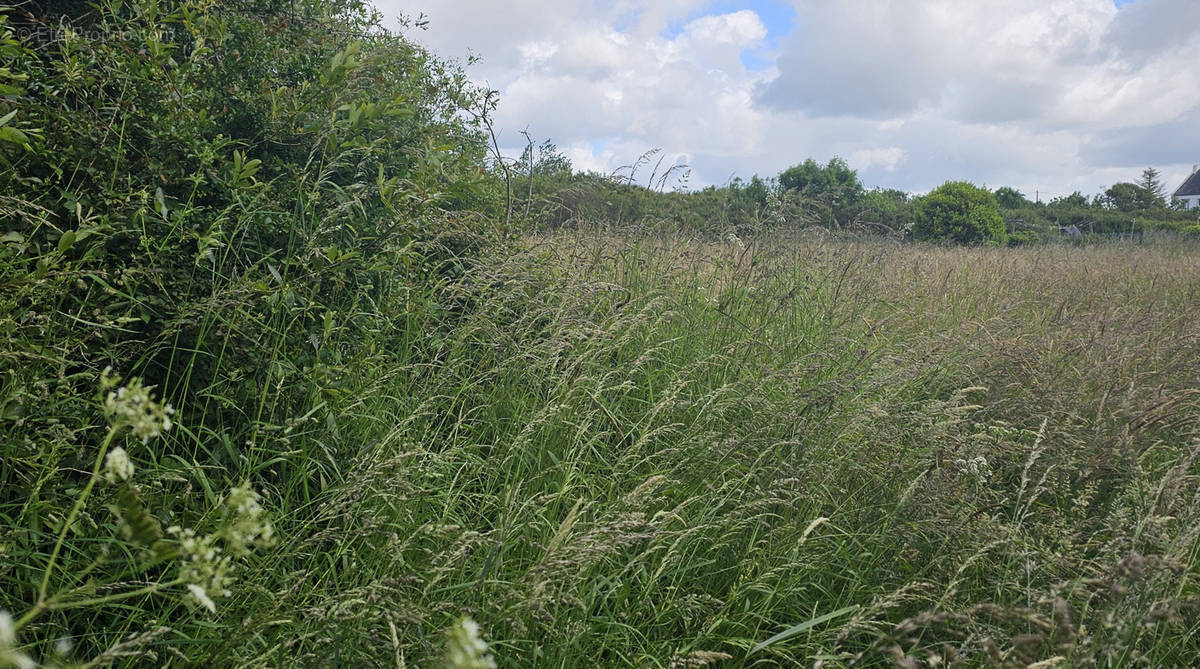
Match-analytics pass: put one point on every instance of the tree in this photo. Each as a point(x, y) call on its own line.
point(961, 212)
point(811, 178)
point(835, 187)
point(888, 207)
point(544, 160)
point(1151, 182)
point(1125, 196)
point(1011, 198)
point(1155, 193)
point(1073, 201)
point(754, 192)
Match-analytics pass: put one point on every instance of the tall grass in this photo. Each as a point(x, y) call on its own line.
point(657, 451)
point(661, 453)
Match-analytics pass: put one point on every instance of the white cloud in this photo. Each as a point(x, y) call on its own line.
point(888, 158)
point(1052, 95)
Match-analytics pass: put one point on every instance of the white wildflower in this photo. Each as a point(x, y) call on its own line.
point(201, 597)
point(8, 633)
point(977, 468)
point(132, 405)
point(9, 655)
point(248, 526)
point(117, 466)
point(202, 566)
point(465, 649)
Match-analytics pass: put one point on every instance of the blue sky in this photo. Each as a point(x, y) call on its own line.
point(1046, 95)
point(779, 18)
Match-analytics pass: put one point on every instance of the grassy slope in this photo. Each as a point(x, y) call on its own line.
point(634, 451)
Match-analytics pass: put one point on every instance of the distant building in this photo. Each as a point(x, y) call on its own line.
point(1189, 192)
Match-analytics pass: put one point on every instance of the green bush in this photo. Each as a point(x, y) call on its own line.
point(878, 209)
point(960, 212)
point(246, 208)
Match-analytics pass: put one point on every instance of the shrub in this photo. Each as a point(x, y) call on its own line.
point(960, 212)
point(244, 207)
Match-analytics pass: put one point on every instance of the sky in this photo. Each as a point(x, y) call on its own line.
point(1047, 96)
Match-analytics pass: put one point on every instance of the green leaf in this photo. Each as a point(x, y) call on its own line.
point(143, 528)
point(13, 136)
point(66, 241)
point(7, 117)
point(796, 629)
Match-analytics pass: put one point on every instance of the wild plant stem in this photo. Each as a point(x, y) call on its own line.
point(79, 502)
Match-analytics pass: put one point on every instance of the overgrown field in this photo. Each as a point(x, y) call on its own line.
point(287, 380)
point(663, 452)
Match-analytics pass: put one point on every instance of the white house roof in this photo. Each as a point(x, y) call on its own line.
point(1191, 186)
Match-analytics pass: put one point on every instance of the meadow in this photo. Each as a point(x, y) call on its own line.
point(799, 449)
point(298, 370)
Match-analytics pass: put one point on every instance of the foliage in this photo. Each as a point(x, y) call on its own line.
point(1128, 197)
point(1074, 200)
point(543, 161)
point(1153, 188)
point(835, 186)
point(960, 212)
point(564, 199)
point(883, 210)
point(1011, 198)
point(1029, 225)
point(350, 424)
point(240, 205)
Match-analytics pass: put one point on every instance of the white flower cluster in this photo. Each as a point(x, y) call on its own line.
point(117, 466)
point(9, 655)
point(248, 527)
point(977, 468)
point(202, 566)
point(465, 649)
point(205, 568)
point(132, 405)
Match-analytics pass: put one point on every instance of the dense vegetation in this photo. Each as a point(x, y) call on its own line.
point(830, 196)
point(298, 372)
point(959, 212)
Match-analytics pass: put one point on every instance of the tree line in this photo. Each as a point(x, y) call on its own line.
point(832, 195)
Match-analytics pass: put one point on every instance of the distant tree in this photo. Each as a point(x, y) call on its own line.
point(960, 212)
point(1072, 201)
point(544, 160)
point(811, 178)
point(1011, 198)
point(888, 207)
point(834, 188)
point(1151, 181)
point(1125, 196)
point(754, 191)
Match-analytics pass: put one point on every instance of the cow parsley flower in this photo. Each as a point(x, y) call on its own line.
point(977, 468)
point(117, 466)
point(248, 525)
point(465, 649)
point(133, 406)
point(9, 655)
point(202, 566)
point(200, 596)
